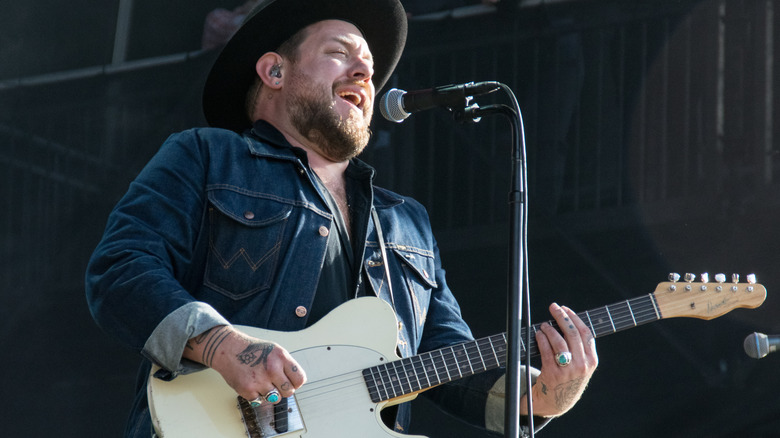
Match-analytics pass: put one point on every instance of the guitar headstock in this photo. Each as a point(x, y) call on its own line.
point(705, 299)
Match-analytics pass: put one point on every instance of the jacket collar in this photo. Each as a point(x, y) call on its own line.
point(265, 140)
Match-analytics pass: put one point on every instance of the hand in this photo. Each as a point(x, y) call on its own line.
point(252, 367)
point(558, 388)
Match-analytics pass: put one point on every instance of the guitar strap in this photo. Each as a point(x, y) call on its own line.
point(381, 238)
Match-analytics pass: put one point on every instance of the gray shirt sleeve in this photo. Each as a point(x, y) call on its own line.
point(166, 344)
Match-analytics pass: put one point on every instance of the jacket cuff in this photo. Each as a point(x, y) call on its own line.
point(166, 344)
point(495, 405)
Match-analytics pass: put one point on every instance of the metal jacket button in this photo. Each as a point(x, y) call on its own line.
point(300, 311)
point(249, 215)
point(324, 231)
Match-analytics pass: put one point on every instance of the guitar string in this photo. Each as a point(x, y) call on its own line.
point(609, 319)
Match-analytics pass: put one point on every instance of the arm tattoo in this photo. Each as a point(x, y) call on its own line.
point(255, 354)
point(212, 338)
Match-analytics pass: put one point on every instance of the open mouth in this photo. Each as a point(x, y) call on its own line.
point(352, 97)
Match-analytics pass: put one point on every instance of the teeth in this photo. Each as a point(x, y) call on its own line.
point(352, 97)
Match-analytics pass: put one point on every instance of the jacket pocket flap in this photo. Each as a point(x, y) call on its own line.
point(253, 211)
point(422, 265)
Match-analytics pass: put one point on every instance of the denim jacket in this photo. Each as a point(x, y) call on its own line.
point(225, 228)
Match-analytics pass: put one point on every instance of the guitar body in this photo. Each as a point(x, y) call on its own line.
point(334, 402)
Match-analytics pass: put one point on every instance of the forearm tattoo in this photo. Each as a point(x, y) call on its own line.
point(256, 353)
point(212, 340)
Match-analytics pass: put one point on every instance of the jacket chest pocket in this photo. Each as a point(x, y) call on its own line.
point(245, 240)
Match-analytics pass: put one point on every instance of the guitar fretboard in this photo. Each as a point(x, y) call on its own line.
point(426, 370)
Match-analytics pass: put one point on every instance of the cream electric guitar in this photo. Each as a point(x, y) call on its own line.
point(353, 371)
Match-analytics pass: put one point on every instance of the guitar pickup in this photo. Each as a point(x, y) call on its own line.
point(268, 420)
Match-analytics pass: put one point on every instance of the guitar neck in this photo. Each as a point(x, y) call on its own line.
point(424, 371)
point(671, 299)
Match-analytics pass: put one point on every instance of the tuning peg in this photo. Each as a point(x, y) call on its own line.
point(705, 278)
point(674, 278)
point(720, 278)
point(751, 279)
point(735, 280)
point(689, 278)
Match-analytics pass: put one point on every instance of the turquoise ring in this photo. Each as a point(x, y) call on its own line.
point(563, 359)
point(273, 396)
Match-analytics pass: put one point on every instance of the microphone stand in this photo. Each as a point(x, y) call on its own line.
point(518, 265)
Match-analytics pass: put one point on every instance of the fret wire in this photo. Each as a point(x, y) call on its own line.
point(387, 381)
point(590, 323)
point(425, 372)
point(655, 307)
point(393, 379)
point(493, 349)
point(481, 357)
point(452, 350)
point(409, 366)
point(610, 318)
point(396, 364)
point(434, 367)
point(370, 378)
point(446, 368)
point(377, 383)
point(468, 359)
point(628, 304)
point(377, 377)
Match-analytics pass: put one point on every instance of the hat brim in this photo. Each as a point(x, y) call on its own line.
point(383, 23)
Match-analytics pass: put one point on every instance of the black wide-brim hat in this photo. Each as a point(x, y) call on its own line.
point(270, 23)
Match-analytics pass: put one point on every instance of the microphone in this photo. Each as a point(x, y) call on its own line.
point(396, 105)
point(758, 345)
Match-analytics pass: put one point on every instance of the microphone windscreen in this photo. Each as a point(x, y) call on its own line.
point(391, 106)
point(756, 345)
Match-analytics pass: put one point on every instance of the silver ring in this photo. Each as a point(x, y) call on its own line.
point(257, 401)
point(273, 396)
point(563, 358)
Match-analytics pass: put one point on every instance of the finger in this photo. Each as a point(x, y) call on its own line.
point(556, 342)
point(295, 374)
point(545, 348)
point(566, 324)
point(588, 339)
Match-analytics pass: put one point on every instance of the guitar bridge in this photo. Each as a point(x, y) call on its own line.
point(267, 420)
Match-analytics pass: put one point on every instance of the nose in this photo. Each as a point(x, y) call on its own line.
point(362, 69)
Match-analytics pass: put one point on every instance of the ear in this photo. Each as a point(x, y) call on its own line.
point(269, 70)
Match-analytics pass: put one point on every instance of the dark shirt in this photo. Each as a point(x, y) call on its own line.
point(340, 276)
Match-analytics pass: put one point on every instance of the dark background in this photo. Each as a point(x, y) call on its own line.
point(652, 148)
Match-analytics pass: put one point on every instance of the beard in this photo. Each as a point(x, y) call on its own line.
point(312, 114)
